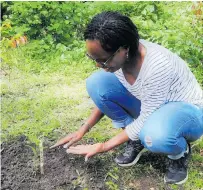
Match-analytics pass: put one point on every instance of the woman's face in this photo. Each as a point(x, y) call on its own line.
point(115, 60)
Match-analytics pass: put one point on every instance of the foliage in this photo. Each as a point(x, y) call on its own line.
point(58, 22)
point(50, 21)
point(175, 26)
point(55, 29)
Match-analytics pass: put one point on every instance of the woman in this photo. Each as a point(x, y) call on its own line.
point(146, 90)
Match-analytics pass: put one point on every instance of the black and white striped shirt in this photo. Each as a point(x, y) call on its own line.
point(164, 77)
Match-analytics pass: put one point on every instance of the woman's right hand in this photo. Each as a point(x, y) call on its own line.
point(69, 139)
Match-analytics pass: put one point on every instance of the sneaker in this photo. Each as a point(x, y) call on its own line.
point(131, 155)
point(177, 170)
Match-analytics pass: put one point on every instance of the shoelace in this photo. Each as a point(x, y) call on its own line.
point(133, 146)
point(138, 146)
point(178, 164)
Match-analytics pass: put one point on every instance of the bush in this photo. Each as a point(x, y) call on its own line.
point(55, 29)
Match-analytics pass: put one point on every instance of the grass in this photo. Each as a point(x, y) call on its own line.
point(53, 104)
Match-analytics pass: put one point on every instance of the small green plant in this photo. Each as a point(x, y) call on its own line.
point(35, 158)
point(111, 185)
point(112, 176)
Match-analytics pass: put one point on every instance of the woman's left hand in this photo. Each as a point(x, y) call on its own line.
point(86, 150)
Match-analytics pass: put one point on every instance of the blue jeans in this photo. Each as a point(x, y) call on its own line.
point(167, 130)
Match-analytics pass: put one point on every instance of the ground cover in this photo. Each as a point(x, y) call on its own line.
point(44, 107)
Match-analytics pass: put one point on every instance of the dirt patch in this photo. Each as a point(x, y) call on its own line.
point(21, 170)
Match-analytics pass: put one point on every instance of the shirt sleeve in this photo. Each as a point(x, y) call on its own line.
point(154, 94)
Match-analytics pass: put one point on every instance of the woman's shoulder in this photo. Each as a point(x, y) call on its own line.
point(155, 48)
point(157, 60)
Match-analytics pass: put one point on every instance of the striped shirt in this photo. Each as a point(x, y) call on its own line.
point(164, 77)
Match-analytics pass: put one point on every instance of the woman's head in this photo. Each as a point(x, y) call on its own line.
point(111, 31)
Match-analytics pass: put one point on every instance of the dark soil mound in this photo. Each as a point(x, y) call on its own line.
point(62, 171)
point(21, 170)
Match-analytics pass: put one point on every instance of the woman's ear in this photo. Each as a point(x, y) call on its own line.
point(126, 47)
point(127, 54)
point(127, 50)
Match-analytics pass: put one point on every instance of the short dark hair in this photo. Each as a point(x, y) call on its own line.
point(113, 30)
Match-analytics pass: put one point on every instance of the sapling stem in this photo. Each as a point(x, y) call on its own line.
point(41, 157)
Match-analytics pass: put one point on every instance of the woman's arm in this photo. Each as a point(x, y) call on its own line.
point(72, 138)
point(91, 150)
point(95, 116)
point(115, 141)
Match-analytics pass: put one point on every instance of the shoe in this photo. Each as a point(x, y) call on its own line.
point(177, 170)
point(131, 155)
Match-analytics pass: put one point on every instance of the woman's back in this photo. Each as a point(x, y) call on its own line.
point(166, 71)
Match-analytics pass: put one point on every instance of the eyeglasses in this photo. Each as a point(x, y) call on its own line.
point(103, 64)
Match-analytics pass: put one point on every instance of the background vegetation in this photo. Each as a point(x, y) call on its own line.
point(43, 81)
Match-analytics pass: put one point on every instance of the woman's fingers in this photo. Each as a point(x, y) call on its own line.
point(72, 141)
point(62, 141)
point(69, 139)
point(76, 151)
point(79, 146)
point(87, 150)
point(80, 149)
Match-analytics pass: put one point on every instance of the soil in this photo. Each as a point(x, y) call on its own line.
point(21, 170)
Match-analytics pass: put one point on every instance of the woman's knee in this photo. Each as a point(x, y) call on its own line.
point(101, 83)
point(98, 82)
point(91, 82)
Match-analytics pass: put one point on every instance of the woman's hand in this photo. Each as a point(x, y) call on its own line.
point(86, 150)
point(69, 139)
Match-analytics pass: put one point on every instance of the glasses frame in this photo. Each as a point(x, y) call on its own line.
point(103, 64)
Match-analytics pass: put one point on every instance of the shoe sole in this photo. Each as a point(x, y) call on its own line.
point(135, 160)
point(177, 183)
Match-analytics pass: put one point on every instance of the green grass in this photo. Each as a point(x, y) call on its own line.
point(37, 104)
point(54, 103)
